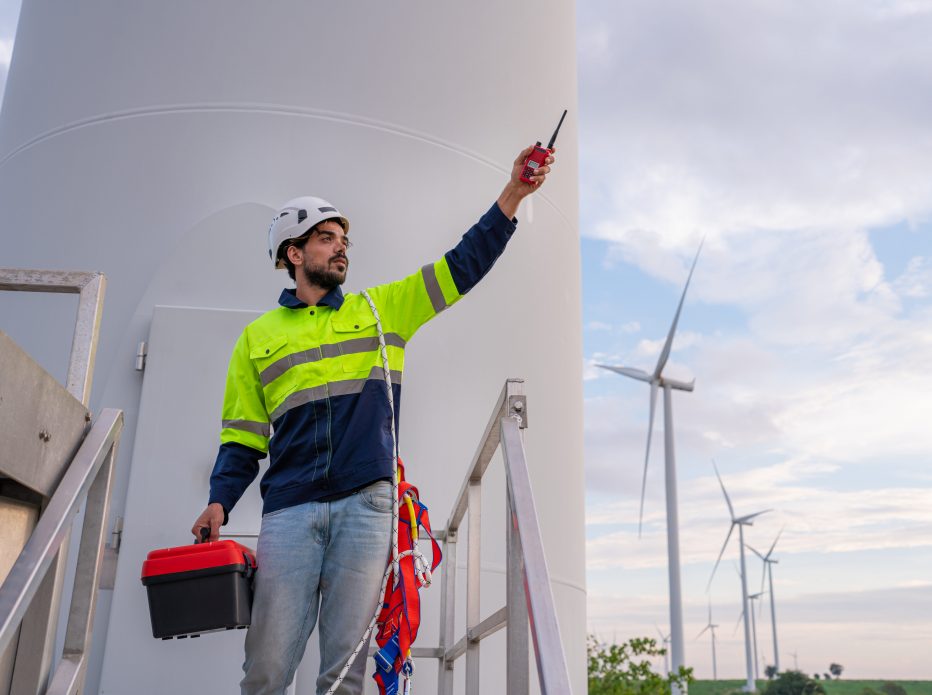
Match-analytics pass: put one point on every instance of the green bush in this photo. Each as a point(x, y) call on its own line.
point(625, 669)
point(794, 683)
point(892, 689)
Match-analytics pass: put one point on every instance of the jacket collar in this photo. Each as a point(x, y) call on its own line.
point(333, 299)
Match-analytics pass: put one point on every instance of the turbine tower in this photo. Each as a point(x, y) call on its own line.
point(657, 381)
point(751, 599)
point(740, 522)
point(769, 562)
point(711, 628)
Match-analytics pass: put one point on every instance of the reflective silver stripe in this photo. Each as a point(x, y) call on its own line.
point(433, 288)
point(261, 428)
point(314, 354)
point(335, 388)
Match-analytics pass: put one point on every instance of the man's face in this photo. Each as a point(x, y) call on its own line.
point(324, 261)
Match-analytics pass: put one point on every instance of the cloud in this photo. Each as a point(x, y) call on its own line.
point(759, 116)
point(816, 521)
point(916, 281)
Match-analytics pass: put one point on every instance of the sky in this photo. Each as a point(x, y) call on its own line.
point(795, 138)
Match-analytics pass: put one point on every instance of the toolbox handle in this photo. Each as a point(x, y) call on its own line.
point(205, 534)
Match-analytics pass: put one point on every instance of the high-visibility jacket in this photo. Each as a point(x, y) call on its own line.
point(313, 376)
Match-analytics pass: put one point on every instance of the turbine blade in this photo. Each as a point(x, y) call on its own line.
point(740, 618)
point(650, 431)
point(634, 373)
point(722, 552)
point(751, 548)
point(769, 552)
point(745, 519)
point(665, 354)
point(703, 631)
point(731, 510)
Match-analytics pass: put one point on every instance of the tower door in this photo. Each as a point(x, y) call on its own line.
point(175, 447)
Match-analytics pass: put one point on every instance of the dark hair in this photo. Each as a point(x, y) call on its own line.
point(300, 241)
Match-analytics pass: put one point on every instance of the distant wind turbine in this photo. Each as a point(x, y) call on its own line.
point(751, 599)
point(740, 522)
point(664, 641)
point(769, 562)
point(656, 381)
point(711, 628)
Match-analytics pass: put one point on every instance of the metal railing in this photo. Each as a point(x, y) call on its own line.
point(90, 290)
point(90, 477)
point(31, 593)
point(528, 590)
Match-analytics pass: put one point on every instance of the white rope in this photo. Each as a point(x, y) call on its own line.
point(422, 569)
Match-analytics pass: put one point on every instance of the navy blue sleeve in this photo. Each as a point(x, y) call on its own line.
point(479, 248)
point(236, 467)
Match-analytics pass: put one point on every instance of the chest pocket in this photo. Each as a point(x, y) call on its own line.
point(357, 337)
point(268, 351)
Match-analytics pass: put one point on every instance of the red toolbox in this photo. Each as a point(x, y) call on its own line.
point(199, 588)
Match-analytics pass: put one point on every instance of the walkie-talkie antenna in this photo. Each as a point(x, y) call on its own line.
point(554, 138)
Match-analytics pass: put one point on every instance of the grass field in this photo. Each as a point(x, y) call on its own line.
point(839, 687)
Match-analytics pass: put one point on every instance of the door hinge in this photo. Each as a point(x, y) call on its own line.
point(141, 353)
point(111, 552)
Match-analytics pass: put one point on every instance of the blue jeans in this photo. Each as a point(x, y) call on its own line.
point(317, 558)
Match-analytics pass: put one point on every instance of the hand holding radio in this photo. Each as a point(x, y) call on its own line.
point(538, 156)
point(527, 178)
point(528, 173)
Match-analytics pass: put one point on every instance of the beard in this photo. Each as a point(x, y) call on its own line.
point(324, 275)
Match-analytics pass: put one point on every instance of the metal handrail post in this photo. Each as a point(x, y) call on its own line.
point(517, 678)
point(473, 574)
point(447, 614)
point(548, 647)
point(70, 673)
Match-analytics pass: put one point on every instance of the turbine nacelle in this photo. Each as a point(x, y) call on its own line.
point(641, 375)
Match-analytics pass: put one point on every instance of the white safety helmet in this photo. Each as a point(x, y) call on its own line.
point(297, 216)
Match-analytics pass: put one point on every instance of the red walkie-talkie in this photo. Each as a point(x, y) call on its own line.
point(539, 155)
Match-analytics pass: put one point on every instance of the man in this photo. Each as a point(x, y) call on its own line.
point(312, 370)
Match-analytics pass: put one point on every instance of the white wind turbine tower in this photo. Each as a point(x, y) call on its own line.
point(751, 599)
point(769, 562)
point(711, 628)
point(656, 381)
point(740, 522)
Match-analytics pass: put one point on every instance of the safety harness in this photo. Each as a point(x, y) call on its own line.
point(398, 614)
